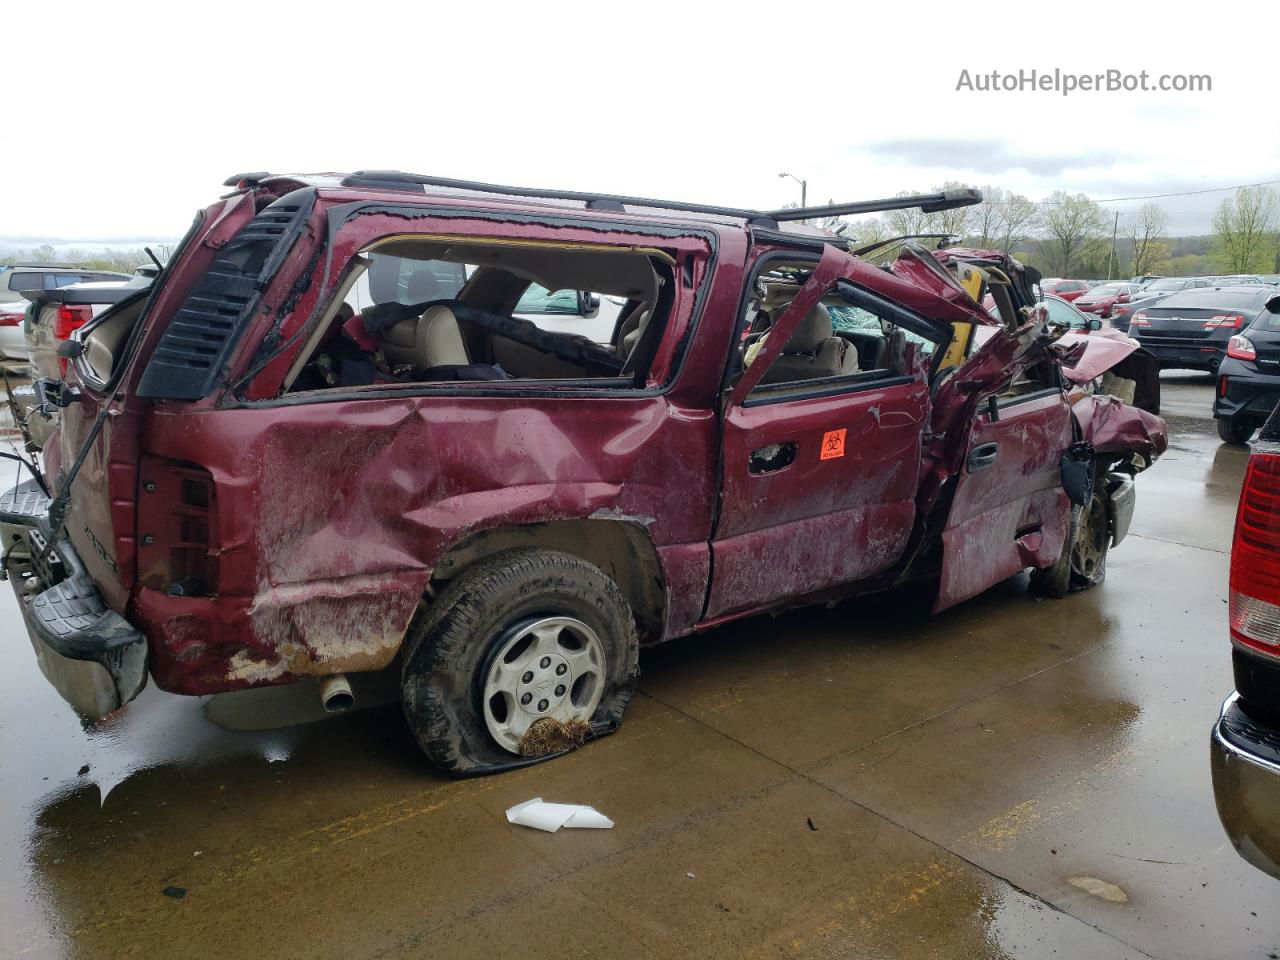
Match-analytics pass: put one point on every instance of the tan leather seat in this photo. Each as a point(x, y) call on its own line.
point(630, 329)
point(813, 351)
point(431, 340)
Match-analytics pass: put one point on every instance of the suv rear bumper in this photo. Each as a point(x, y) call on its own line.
point(1245, 759)
point(93, 657)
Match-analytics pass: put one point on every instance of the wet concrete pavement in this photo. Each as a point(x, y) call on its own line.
point(1013, 778)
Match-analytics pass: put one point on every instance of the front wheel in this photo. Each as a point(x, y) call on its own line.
point(522, 656)
point(1237, 429)
point(1093, 537)
point(1055, 581)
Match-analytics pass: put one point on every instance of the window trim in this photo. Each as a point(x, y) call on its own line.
point(825, 387)
point(597, 388)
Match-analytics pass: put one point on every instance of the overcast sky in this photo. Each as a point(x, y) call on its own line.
point(147, 107)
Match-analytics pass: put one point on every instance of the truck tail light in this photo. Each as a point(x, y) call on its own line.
point(1241, 347)
point(1224, 321)
point(70, 319)
point(1255, 558)
point(177, 524)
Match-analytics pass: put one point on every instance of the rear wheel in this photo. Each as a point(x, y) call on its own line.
point(1237, 429)
point(524, 655)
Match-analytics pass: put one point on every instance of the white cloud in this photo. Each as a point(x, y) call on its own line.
point(157, 103)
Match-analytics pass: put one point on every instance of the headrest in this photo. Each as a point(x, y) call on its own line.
point(813, 329)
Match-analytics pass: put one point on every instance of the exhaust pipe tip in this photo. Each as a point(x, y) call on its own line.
point(335, 693)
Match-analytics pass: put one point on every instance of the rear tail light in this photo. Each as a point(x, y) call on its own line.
point(177, 521)
point(70, 319)
point(10, 319)
point(1224, 321)
point(1139, 320)
point(1241, 347)
point(1255, 558)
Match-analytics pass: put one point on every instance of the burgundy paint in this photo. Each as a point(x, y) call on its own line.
point(330, 516)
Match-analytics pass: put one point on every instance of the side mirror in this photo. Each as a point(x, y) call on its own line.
point(588, 304)
point(70, 349)
point(1095, 324)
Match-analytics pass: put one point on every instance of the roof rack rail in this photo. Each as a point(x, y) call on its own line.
point(928, 202)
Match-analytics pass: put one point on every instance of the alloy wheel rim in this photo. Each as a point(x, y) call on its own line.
point(549, 667)
point(1090, 542)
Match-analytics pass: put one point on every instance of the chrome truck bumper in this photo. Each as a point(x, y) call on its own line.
point(1245, 760)
point(93, 657)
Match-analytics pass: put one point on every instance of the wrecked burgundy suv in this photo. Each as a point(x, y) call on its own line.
point(253, 483)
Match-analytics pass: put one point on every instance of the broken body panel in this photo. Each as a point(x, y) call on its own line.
point(255, 535)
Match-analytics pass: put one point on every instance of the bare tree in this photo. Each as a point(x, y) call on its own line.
point(1245, 228)
point(1146, 226)
point(1003, 219)
point(988, 216)
point(1019, 222)
point(1074, 227)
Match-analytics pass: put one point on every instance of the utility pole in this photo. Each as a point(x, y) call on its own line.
point(804, 187)
point(1115, 229)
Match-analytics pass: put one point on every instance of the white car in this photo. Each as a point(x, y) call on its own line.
point(55, 314)
point(13, 343)
point(394, 279)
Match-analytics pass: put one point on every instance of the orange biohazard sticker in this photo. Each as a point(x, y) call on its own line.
point(832, 444)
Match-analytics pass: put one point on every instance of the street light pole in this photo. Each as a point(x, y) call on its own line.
point(804, 187)
point(1115, 229)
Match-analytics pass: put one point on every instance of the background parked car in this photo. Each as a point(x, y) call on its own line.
point(1245, 745)
point(22, 278)
point(1102, 298)
point(1066, 289)
point(1249, 375)
point(392, 279)
point(1063, 314)
point(13, 345)
point(55, 314)
point(1190, 329)
point(1151, 294)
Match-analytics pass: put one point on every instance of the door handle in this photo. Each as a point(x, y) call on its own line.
point(773, 457)
point(983, 456)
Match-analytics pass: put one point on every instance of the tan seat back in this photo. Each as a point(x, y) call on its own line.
point(431, 340)
point(813, 351)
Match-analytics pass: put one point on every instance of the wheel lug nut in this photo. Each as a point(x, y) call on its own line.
point(544, 662)
point(528, 677)
point(560, 670)
point(560, 690)
point(524, 700)
point(542, 705)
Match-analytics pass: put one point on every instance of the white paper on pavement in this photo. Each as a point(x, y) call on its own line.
point(552, 816)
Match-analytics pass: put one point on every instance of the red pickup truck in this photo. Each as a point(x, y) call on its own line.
point(252, 484)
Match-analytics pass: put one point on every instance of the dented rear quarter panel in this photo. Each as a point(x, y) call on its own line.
point(333, 513)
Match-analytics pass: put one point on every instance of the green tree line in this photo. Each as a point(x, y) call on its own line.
point(1071, 235)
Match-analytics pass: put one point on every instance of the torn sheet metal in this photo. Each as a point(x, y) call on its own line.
point(1115, 427)
point(540, 815)
point(1086, 356)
